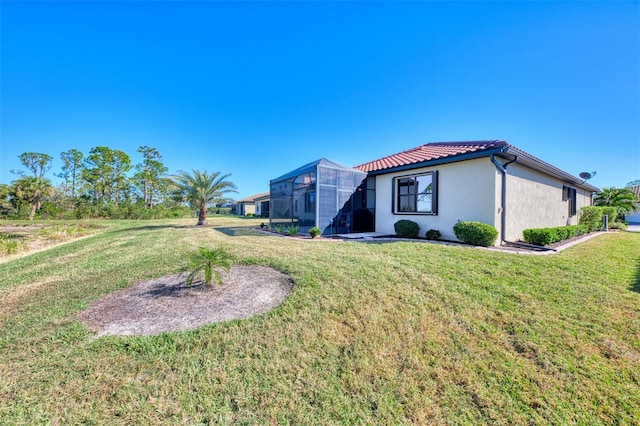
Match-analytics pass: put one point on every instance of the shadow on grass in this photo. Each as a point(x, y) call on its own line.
point(240, 231)
point(154, 228)
point(636, 285)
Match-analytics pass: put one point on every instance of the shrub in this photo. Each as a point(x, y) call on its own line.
point(292, 229)
point(546, 236)
point(315, 232)
point(476, 233)
point(541, 236)
point(433, 234)
point(591, 216)
point(406, 228)
point(618, 225)
point(278, 228)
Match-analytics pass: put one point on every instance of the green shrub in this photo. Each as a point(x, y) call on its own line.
point(618, 225)
point(433, 234)
point(278, 228)
point(546, 236)
point(406, 228)
point(541, 236)
point(476, 233)
point(591, 216)
point(224, 210)
point(292, 229)
point(315, 232)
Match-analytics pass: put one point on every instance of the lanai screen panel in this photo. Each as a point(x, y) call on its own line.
point(336, 185)
point(293, 197)
point(316, 194)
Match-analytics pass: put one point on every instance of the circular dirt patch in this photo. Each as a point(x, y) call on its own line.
point(167, 304)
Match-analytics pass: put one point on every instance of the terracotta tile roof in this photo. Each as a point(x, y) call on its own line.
point(429, 152)
point(443, 152)
point(636, 190)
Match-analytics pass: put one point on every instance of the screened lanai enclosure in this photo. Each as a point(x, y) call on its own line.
point(335, 198)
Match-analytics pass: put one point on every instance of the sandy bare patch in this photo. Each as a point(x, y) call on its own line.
point(166, 304)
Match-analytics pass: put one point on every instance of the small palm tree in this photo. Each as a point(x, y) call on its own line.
point(623, 199)
point(206, 262)
point(202, 189)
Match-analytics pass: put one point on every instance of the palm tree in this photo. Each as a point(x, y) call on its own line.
point(205, 262)
point(33, 190)
point(623, 199)
point(202, 189)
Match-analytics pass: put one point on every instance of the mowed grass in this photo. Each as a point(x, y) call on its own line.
point(386, 333)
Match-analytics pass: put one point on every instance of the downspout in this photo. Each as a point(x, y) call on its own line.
point(502, 168)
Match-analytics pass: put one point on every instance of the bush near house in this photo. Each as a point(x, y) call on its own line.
point(315, 232)
point(592, 216)
point(406, 228)
point(546, 236)
point(476, 233)
point(433, 234)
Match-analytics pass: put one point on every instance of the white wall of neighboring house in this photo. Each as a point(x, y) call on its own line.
point(466, 191)
point(534, 200)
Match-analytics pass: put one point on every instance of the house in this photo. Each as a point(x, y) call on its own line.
point(438, 184)
point(634, 217)
point(252, 205)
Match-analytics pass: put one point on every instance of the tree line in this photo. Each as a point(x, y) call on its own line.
point(104, 183)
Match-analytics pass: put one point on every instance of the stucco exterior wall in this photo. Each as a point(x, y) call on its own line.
point(466, 191)
point(534, 200)
point(248, 208)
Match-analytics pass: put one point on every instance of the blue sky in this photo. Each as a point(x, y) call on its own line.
point(257, 89)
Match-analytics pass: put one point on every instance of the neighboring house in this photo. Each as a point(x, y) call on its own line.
point(251, 205)
point(262, 205)
point(634, 217)
point(439, 184)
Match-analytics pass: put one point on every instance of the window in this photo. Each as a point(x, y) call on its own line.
point(569, 194)
point(416, 194)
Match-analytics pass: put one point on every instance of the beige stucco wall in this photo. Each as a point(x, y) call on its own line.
point(466, 191)
point(249, 208)
point(472, 190)
point(534, 200)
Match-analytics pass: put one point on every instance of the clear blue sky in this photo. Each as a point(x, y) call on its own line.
point(258, 89)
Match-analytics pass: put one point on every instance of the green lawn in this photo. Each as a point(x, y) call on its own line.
point(373, 333)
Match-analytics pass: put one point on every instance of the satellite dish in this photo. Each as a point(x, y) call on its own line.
point(586, 175)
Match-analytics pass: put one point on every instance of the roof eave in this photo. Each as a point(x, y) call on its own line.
point(533, 163)
point(439, 161)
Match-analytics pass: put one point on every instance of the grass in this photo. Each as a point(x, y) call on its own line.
point(25, 236)
point(373, 333)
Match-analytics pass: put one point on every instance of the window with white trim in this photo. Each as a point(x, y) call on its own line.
point(416, 194)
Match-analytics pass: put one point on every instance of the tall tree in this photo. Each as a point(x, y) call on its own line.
point(150, 174)
point(633, 183)
point(621, 198)
point(72, 166)
point(37, 163)
point(202, 189)
point(105, 173)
